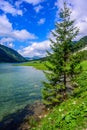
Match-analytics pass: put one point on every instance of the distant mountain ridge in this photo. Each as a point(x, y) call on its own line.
point(9, 55)
point(81, 44)
point(33, 58)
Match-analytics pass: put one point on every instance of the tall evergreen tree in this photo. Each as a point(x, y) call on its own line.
point(54, 90)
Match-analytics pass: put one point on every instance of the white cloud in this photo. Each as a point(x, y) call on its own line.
point(79, 9)
point(36, 49)
point(11, 45)
point(6, 30)
point(6, 7)
point(38, 8)
point(33, 2)
point(22, 34)
point(7, 42)
point(5, 26)
point(41, 21)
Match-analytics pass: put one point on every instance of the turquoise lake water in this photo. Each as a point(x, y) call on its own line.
point(19, 86)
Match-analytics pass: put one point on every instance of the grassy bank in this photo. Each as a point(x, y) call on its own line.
point(40, 65)
point(71, 114)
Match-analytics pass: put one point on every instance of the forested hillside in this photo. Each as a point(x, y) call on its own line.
point(10, 55)
point(82, 43)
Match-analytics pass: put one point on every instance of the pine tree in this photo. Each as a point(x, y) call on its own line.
point(54, 90)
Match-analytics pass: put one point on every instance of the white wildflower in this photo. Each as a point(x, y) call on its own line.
point(48, 109)
point(49, 118)
point(83, 103)
point(62, 115)
point(60, 110)
point(74, 103)
point(45, 115)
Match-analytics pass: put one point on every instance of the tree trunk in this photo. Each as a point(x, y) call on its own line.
point(65, 61)
point(65, 80)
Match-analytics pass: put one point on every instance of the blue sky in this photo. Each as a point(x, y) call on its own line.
point(25, 25)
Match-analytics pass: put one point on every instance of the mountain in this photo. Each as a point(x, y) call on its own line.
point(81, 44)
point(10, 55)
point(36, 58)
point(33, 58)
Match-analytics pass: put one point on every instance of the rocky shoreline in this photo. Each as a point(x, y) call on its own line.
point(23, 119)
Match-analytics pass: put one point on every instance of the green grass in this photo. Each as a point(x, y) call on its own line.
point(84, 65)
point(36, 64)
point(71, 114)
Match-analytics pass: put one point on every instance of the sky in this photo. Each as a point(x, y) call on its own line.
point(26, 25)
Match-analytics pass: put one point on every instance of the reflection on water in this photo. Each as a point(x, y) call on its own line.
point(19, 85)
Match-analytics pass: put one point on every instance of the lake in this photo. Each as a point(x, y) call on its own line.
point(19, 86)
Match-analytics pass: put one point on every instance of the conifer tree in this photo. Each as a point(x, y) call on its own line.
point(54, 90)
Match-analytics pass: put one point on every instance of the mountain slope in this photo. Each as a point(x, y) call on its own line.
point(81, 44)
point(10, 55)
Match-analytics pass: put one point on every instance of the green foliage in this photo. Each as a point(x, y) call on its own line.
point(75, 66)
point(82, 81)
point(84, 65)
point(54, 95)
point(32, 122)
point(71, 114)
point(55, 89)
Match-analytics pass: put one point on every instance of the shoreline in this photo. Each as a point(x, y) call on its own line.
point(21, 120)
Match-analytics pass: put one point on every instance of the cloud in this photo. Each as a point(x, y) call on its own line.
point(5, 26)
point(6, 30)
point(78, 8)
point(38, 8)
point(7, 42)
point(6, 7)
point(22, 35)
point(36, 49)
point(33, 2)
point(41, 21)
point(11, 45)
